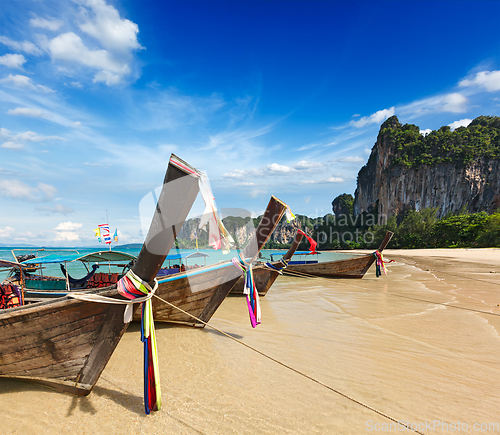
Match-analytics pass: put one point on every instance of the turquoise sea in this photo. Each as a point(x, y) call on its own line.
point(77, 270)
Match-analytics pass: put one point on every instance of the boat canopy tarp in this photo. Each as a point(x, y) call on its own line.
point(6, 263)
point(182, 255)
point(101, 256)
point(296, 253)
point(96, 257)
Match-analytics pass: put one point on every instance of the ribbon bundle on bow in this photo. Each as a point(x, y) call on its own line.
point(132, 287)
point(379, 264)
point(249, 290)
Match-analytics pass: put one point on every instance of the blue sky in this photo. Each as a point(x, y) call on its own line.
point(271, 97)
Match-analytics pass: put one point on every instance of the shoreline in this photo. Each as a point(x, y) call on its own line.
point(472, 255)
point(431, 326)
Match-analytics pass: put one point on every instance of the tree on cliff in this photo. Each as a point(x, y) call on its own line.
point(343, 205)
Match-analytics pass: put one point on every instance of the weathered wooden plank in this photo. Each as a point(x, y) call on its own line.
point(66, 343)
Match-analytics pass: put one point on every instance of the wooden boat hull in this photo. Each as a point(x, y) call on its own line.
point(349, 268)
point(264, 278)
point(66, 343)
point(199, 294)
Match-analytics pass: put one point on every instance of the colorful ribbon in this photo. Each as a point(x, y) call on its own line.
point(311, 241)
point(218, 236)
point(249, 290)
point(132, 287)
point(379, 264)
point(288, 211)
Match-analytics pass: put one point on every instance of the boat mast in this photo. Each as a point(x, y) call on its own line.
point(107, 222)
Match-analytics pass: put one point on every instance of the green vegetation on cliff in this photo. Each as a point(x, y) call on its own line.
point(421, 229)
point(417, 229)
point(481, 138)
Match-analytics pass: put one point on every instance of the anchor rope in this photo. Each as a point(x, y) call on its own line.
point(265, 355)
point(446, 304)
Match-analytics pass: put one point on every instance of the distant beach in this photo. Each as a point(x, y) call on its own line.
point(420, 345)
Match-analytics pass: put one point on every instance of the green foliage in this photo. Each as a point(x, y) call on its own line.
point(343, 204)
point(421, 229)
point(462, 146)
point(416, 230)
point(460, 230)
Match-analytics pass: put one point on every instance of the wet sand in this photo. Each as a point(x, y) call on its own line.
point(394, 343)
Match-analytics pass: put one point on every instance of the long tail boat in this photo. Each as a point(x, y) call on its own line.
point(66, 343)
point(355, 267)
point(199, 292)
point(264, 274)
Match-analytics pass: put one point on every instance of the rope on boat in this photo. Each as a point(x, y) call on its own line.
point(340, 393)
point(127, 315)
point(284, 265)
point(132, 287)
point(446, 304)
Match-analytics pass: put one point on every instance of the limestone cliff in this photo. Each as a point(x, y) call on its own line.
point(241, 230)
point(447, 170)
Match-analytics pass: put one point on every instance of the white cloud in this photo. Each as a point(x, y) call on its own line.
point(44, 23)
point(489, 80)
point(25, 46)
point(12, 145)
point(237, 173)
point(244, 183)
point(425, 132)
point(18, 190)
point(275, 168)
point(16, 141)
point(21, 81)
point(376, 118)
point(349, 159)
point(116, 40)
point(303, 164)
point(12, 60)
point(461, 123)
point(103, 22)
point(256, 192)
point(58, 208)
point(66, 236)
point(26, 111)
point(29, 136)
point(454, 103)
point(324, 181)
point(108, 77)
point(69, 47)
point(69, 226)
point(335, 180)
point(6, 232)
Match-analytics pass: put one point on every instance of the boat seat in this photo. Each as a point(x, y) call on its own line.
point(102, 280)
point(10, 296)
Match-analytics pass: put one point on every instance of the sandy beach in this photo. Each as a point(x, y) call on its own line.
point(420, 345)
